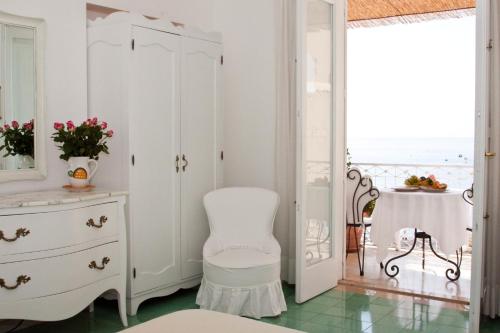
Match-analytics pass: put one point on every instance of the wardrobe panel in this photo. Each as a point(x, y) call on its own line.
point(154, 182)
point(108, 63)
point(201, 64)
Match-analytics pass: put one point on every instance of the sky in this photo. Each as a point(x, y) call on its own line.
point(412, 80)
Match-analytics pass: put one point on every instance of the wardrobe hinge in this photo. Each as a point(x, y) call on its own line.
point(222, 60)
point(134, 273)
point(222, 155)
point(133, 44)
point(133, 159)
point(490, 44)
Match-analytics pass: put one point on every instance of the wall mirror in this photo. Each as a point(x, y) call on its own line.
point(22, 140)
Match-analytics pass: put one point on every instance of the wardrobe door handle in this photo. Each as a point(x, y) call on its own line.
point(186, 163)
point(22, 279)
point(177, 160)
point(21, 232)
point(103, 219)
point(104, 262)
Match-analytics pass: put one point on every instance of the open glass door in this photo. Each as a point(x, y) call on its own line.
point(320, 145)
point(482, 134)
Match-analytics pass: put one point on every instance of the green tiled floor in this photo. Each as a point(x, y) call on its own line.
point(334, 311)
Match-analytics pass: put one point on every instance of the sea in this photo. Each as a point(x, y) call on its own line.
point(440, 151)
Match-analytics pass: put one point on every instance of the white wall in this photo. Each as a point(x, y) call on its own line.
point(249, 88)
point(249, 32)
point(197, 13)
point(65, 75)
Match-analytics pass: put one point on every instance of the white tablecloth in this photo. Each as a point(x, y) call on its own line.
point(444, 216)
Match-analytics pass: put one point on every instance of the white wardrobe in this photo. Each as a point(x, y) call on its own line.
point(159, 88)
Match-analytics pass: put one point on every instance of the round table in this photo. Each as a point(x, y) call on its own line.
point(443, 216)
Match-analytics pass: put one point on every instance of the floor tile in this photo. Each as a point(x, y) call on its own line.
point(338, 310)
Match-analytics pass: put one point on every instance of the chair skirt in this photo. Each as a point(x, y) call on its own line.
point(244, 286)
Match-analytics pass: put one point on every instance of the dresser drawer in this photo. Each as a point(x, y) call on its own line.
point(52, 230)
point(50, 276)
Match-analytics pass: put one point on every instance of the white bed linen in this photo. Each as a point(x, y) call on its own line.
point(201, 321)
point(444, 216)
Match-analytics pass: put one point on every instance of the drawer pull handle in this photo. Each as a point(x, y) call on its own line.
point(23, 279)
point(22, 232)
point(92, 224)
point(105, 261)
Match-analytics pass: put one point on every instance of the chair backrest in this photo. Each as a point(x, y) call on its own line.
point(359, 192)
point(240, 216)
point(468, 195)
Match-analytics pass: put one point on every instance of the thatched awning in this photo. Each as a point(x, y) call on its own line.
point(390, 11)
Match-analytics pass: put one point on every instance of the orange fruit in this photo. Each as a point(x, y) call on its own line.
point(80, 173)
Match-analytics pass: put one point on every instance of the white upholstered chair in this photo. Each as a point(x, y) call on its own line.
point(241, 258)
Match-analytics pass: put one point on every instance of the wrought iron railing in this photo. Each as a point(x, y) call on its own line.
point(391, 175)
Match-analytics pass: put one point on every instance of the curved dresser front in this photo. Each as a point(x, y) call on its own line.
point(59, 251)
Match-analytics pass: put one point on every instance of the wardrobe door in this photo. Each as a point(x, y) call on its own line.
point(154, 186)
point(200, 114)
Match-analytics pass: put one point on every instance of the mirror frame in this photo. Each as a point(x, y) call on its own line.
point(39, 172)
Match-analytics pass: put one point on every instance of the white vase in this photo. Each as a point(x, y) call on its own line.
point(25, 162)
point(81, 170)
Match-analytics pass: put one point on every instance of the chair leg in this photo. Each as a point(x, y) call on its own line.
point(362, 273)
point(357, 250)
point(348, 241)
point(423, 253)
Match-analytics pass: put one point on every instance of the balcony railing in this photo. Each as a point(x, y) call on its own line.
point(391, 175)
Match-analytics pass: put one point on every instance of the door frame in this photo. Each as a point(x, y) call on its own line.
point(481, 134)
point(481, 143)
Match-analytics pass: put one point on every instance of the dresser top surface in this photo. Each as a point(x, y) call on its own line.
point(54, 197)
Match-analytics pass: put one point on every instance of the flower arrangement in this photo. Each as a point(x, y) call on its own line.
point(18, 140)
point(87, 140)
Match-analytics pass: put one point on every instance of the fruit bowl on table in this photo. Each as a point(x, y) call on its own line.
point(426, 184)
point(406, 188)
point(431, 189)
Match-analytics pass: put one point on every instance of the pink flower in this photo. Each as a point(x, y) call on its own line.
point(58, 126)
point(28, 126)
point(104, 125)
point(2, 130)
point(110, 133)
point(432, 177)
point(6, 126)
point(94, 121)
point(71, 126)
point(15, 124)
point(88, 122)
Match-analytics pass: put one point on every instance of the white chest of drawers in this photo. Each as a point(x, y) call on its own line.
point(59, 251)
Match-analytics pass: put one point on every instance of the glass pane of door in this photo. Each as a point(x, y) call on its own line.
point(317, 135)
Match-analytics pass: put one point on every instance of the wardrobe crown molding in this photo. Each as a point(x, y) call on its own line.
point(161, 24)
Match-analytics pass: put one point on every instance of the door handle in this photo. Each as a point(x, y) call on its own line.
point(177, 159)
point(186, 163)
point(490, 154)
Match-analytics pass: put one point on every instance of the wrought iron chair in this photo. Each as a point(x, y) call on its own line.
point(468, 196)
point(360, 192)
